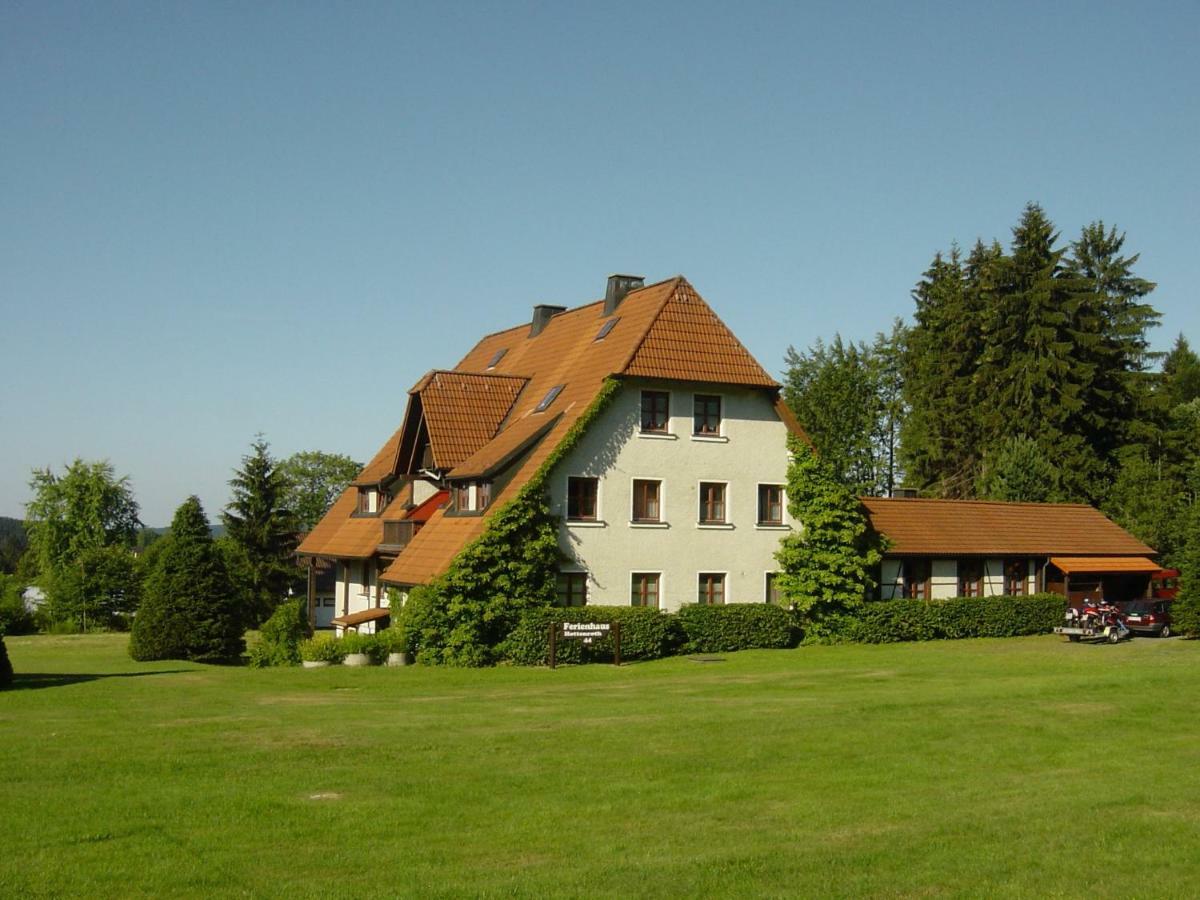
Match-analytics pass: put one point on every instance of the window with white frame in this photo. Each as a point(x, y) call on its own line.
point(647, 500)
point(644, 589)
point(712, 503)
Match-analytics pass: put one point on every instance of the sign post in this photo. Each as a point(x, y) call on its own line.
point(587, 632)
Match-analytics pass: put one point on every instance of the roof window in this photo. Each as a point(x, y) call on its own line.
point(496, 357)
point(549, 398)
point(606, 328)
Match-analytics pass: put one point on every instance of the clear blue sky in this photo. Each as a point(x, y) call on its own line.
point(219, 219)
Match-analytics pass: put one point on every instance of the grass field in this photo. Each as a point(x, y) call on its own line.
point(1022, 767)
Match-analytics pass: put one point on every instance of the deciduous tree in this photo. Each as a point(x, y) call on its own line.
point(312, 481)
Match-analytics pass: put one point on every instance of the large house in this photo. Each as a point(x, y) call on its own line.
point(674, 494)
point(977, 548)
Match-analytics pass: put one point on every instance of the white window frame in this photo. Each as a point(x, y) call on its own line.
point(661, 581)
point(669, 434)
point(720, 437)
point(783, 509)
point(767, 573)
point(662, 502)
point(587, 584)
point(597, 522)
point(724, 593)
point(727, 525)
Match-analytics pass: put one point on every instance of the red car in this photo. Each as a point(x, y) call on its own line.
point(1151, 616)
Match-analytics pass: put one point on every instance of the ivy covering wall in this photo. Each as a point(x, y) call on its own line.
point(461, 617)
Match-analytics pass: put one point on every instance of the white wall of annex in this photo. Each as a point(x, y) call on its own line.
point(751, 450)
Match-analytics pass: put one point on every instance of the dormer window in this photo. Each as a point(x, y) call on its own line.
point(368, 502)
point(472, 496)
point(549, 398)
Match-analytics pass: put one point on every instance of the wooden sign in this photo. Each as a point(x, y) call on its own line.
point(587, 632)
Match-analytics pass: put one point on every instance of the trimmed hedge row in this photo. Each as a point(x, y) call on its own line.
point(890, 621)
point(650, 634)
point(738, 626)
point(645, 634)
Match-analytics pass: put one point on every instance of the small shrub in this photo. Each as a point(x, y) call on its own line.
point(392, 640)
point(6, 672)
point(281, 635)
point(353, 642)
point(890, 621)
point(736, 626)
point(645, 634)
point(321, 648)
point(14, 617)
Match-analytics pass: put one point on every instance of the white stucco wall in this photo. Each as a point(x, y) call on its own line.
point(944, 580)
point(752, 449)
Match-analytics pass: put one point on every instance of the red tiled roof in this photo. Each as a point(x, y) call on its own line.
point(919, 526)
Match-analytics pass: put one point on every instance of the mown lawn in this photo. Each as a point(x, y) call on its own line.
point(1024, 767)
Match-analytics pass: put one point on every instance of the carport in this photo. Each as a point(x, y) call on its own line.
point(1111, 578)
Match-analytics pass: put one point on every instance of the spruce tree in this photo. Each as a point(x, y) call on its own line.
point(190, 609)
point(264, 529)
point(939, 437)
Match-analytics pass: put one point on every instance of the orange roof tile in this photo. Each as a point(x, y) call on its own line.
point(341, 534)
point(968, 527)
point(463, 410)
point(1137, 565)
point(382, 464)
point(688, 341)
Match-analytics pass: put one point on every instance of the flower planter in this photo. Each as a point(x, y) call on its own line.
point(315, 663)
point(356, 659)
point(397, 659)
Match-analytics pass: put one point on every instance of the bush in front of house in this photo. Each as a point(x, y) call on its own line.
point(281, 635)
point(370, 644)
point(891, 621)
point(645, 634)
point(6, 672)
point(736, 626)
point(321, 648)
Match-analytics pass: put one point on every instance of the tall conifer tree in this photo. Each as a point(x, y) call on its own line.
point(264, 530)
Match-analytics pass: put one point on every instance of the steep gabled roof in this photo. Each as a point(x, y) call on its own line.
point(924, 527)
point(688, 341)
point(484, 415)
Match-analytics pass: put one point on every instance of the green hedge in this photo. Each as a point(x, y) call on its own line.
point(889, 621)
point(736, 626)
point(6, 672)
point(645, 634)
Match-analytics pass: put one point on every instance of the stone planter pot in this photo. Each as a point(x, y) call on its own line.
point(398, 659)
point(315, 663)
point(356, 659)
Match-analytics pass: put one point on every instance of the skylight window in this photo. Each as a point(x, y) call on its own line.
point(496, 357)
point(606, 328)
point(549, 398)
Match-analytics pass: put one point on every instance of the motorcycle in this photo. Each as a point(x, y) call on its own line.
point(1095, 620)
